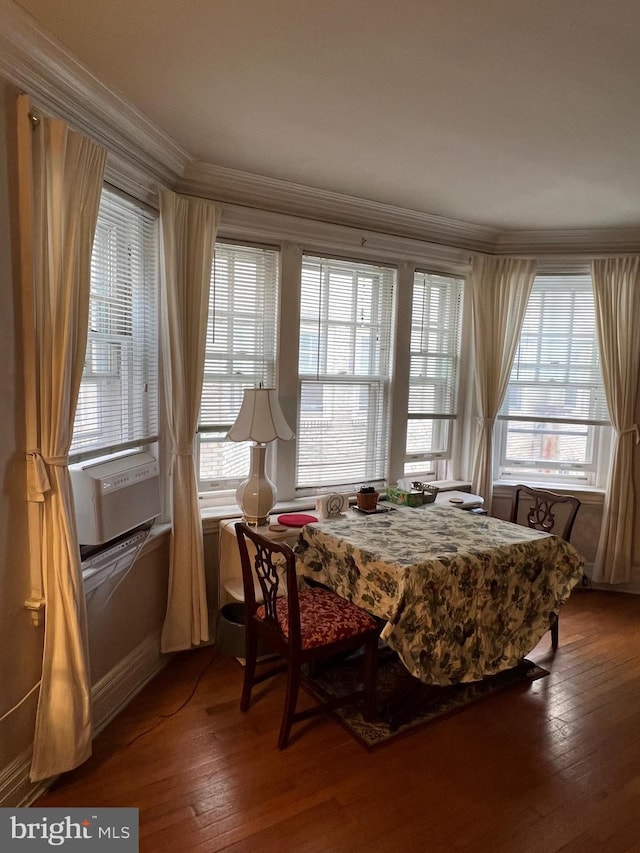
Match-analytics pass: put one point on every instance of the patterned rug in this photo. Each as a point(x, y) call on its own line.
point(405, 704)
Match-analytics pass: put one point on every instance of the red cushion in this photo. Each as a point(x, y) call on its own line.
point(296, 519)
point(324, 617)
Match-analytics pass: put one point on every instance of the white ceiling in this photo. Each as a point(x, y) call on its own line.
point(513, 114)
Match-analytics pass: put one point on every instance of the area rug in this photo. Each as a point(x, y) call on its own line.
point(404, 703)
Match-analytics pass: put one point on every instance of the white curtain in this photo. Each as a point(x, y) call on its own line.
point(616, 287)
point(500, 289)
point(188, 228)
point(67, 179)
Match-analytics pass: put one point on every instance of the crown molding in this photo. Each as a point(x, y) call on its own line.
point(272, 194)
point(590, 242)
point(220, 183)
point(140, 155)
point(277, 229)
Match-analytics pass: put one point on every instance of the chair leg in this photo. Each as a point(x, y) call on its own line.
point(290, 701)
point(370, 671)
point(554, 633)
point(251, 652)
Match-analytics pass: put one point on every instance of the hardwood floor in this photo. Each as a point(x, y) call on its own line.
point(553, 766)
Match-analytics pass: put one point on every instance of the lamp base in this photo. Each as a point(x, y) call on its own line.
point(256, 495)
point(254, 521)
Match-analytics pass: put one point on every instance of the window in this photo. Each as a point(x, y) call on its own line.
point(118, 399)
point(346, 322)
point(434, 360)
point(553, 419)
point(240, 353)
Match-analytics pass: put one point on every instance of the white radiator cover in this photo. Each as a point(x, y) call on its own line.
point(114, 496)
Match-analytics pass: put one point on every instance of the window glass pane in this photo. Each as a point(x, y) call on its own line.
point(556, 370)
point(118, 398)
point(240, 353)
point(223, 461)
point(555, 398)
point(548, 443)
point(346, 321)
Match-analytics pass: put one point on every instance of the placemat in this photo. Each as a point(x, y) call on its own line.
point(296, 519)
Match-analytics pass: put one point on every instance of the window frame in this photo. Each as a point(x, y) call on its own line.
point(592, 471)
point(293, 241)
point(133, 266)
point(450, 355)
point(223, 487)
point(383, 295)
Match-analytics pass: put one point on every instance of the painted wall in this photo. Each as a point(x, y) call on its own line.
point(125, 614)
point(20, 642)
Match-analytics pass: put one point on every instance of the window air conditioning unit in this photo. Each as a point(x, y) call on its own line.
point(113, 497)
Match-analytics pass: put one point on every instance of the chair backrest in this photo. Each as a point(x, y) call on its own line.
point(541, 514)
point(273, 565)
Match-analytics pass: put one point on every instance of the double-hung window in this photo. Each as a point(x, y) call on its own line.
point(436, 319)
point(118, 398)
point(553, 422)
point(240, 353)
point(344, 365)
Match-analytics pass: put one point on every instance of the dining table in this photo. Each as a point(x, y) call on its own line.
point(461, 596)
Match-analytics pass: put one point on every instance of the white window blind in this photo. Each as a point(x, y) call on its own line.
point(118, 400)
point(346, 322)
point(555, 399)
point(434, 361)
point(240, 353)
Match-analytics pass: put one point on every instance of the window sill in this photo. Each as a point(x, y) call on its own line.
point(588, 494)
point(213, 515)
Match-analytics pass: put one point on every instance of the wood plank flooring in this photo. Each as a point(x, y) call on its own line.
point(554, 766)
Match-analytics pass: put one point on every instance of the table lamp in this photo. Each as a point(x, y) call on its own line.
point(260, 420)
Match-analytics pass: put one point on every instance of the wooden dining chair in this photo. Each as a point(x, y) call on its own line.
point(302, 627)
point(541, 513)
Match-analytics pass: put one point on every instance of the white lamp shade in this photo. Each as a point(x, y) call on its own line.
point(260, 418)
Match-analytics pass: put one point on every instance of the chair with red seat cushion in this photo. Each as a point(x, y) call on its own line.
point(303, 627)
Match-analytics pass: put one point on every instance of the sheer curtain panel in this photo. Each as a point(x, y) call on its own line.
point(500, 289)
point(66, 179)
point(188, 232)
point(616, 287)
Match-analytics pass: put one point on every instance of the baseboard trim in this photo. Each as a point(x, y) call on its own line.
point(16, 789)
point(119, 686)
point(109, 696)
point(632, 587)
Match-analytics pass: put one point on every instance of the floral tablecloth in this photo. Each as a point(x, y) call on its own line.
point(464, 596)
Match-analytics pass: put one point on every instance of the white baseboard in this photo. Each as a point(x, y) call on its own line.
point(109, 696)
point(16, 789)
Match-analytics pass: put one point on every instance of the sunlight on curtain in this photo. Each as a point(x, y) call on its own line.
point(188, 232)
point(67, 174)
point(500, 289)
point(616, 287)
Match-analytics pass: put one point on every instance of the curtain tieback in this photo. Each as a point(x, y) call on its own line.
point(486, 422)
point(37, 478)
point(57, 461)
point(635, 428)
point(183, 451)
